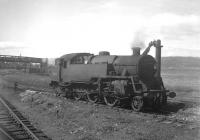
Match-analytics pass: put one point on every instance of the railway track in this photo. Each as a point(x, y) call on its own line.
point(14, 126)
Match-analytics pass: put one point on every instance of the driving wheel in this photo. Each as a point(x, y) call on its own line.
point(77, 95)
point(111, 100)
point(92, 97)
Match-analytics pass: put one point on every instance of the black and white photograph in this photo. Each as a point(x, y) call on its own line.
point(99, 70)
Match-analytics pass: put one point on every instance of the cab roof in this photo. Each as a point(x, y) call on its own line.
point(70, 56)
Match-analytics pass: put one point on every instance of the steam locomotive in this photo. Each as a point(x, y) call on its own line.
point(133, 80)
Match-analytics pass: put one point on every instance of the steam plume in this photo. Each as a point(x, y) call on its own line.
point(139, 39)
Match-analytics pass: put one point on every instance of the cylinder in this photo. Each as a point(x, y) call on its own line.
point(136, 51)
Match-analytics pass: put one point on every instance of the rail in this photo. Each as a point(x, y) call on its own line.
point(14, 116)
point(6, 135)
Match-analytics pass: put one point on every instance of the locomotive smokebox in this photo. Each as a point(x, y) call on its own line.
point(136, 51)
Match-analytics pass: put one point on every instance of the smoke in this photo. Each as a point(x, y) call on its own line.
point(139, 39)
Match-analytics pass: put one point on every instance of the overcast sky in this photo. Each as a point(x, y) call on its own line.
point(50, 28)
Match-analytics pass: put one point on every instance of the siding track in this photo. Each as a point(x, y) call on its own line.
point(15, 126)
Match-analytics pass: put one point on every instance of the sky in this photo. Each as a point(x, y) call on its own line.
point(51, 28)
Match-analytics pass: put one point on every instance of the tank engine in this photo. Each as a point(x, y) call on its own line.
point(135, 79)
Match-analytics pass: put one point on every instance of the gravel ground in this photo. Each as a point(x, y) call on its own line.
point(65, 119)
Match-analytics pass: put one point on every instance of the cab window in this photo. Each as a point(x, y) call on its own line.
point(77, 60)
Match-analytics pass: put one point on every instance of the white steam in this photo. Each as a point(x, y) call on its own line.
point(139, 39)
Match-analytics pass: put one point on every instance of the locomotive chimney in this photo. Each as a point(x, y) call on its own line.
point(136, 51)
point(158, 47)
